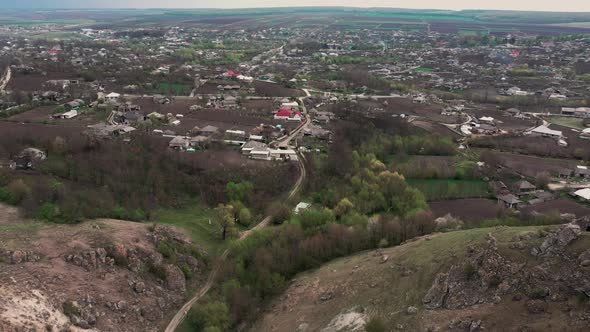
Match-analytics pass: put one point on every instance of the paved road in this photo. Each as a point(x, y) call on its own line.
point(181, 314)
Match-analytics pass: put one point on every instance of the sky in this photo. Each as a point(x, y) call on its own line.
point(537, 5)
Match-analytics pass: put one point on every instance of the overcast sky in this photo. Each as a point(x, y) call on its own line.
point(548, 5)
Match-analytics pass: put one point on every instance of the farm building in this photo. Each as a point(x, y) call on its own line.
point(209, 130)
point(580, 112)
point(546, 132)
point(67, 115)
point(583, 194)
point(292, 105)
point(524, 187)
point(510, 201)
point(252, 145)
point(179, 143)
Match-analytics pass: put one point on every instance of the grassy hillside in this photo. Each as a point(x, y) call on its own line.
point(383, 284)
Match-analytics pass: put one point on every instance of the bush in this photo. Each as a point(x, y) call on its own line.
point(157, 270)
point(213, 316)
point(48, 211)
point(5, 195)
point(166, 250)
point(186, 270)
point(70, 309)
point(18, 189)
point(244, 217)
point(375, 325)
point(470, 271)
point(280, 212)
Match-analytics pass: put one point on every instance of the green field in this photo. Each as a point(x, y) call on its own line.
point(173, 89)
point(565, 121)
point(198, 222)
point(435, 189)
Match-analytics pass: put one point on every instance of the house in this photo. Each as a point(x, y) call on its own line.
point(209, 130)
point(286, 114)
point(510, 201)
point(67, 115)
point(252, 145)
point(179, 143)
point(103, 130)
point(112, 98)
point(230, 101)
point(293, 106)
point(236, 133)
point(580, 112)
point(546, 132)
point(499, 188)
point(74, 104)
point(199, 141)
point(583, 194)
point(524, 187)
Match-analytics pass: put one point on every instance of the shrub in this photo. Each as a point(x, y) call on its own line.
point(18, 189)
point(186, 270)
point(375, 325)
point(70, 309)
point(244, 217)
point(538, 293)
point(470, 271)
point(48, 211)
point(166, 249)
point(157, 270)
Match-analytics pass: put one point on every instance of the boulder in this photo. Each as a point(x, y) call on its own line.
point(435, 297)
point(174, 277)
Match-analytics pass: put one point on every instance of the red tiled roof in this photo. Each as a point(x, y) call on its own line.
point(283, 112)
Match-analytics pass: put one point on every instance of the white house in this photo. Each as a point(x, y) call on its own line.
point(112, 97)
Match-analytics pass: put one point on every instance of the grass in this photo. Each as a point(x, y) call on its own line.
point(435, 189)
point(566, 121)
point(424, 70)
point(199, 224)
point(425, 258)
point(175, 89)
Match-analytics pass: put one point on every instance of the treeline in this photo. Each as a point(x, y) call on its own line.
point(261, 265)
point(86, 178)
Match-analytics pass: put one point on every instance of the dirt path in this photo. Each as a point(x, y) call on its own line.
point(181, 314)
point(5, 79)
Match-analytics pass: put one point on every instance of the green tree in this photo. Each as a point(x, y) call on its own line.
point(212, 316)
point(239, 191)
point(226, 218)
point(343, 207)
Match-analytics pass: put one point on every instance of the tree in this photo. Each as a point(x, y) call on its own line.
point(239, 191)
point(244, 217)
point(280, 213)
point(542, 179)
point(213, 316)
point(226, 218)
point(343, 207)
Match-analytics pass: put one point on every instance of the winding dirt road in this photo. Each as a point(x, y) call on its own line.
point(181, 314)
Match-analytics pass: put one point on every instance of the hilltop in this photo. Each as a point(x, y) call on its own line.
point(504, 278)
point(100, 275)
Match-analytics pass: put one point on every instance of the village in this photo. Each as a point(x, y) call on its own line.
point(197, 130)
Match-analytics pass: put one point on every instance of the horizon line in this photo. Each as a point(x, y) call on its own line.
point(291, 7)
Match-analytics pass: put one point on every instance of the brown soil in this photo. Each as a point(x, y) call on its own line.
point(34, 292)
